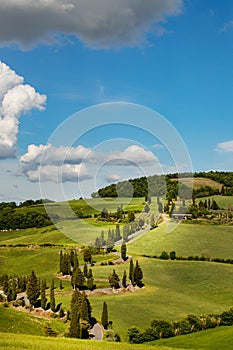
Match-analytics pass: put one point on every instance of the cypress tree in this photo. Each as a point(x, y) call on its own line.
point(52, 297)
point(138, 275)
point(85, 270)
point(104, 317)
point(72, 258)
point(87, 255)
point(14, 292)
point(42, 294)
point(75, 315)
point(61, 261)
point(131, 271)
point(118, 234)
point(85, 317)
point(90, 280)
point(114, 279)
point(123, 251)
point(77, 279)
point(124, 280)
point(102, 238)
point(84, 313)
point(76, 262)
point(5, 284)
point(33, 288)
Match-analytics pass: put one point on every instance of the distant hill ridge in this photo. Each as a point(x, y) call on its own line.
point(204, 184)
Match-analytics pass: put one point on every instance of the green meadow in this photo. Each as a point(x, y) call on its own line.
point(173, 289)
point(216, 339)
point(215, 241)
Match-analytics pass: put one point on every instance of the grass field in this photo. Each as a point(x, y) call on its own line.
point(225, 202)
point(24, 342)
point(199, 182)
point(172, 291)
point(13, 321)
point(215, 241)
point(217, 339)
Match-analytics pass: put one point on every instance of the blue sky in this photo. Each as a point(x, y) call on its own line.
point(172, 56)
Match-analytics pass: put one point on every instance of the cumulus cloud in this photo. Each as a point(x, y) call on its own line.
point(76, 164)
point(16, 99)
point(98, 23)
point(59, 174)
point(133, 154)
point(225, 147)
point(56, 164)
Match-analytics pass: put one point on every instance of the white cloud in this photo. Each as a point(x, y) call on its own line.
point(112, 178)
point(227, 26)
point(98, 23)
point(56, 164)
point(61, 164)
point(16, 99)
point(59, 174)
point(57, 155)
point(133, 154)
point(225, 147)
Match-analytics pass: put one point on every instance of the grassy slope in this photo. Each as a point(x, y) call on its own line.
point(225, 202)
point(192, 239)
point(173, 290)
point(216, 339)
point(199, 182)
point(24, 342)
point(12, 321)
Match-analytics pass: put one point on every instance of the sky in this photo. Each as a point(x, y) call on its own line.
point(97, 91)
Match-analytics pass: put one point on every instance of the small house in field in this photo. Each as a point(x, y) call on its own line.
point(178, 216)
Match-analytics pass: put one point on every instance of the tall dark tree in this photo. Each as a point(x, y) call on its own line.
point(76, 262)
point(124, 280)
point(75, 315)
point(66, 264)
point(131, 271)
point(85, 270)
point(84, 318)
point(90, 280)
point(52, 297)
point(138, 275)
point(109, 245)
point(72, 258)
point(43, 294)
point(33, 288)
point(114, 279)
point(104, 317)
point(98, 243)
point(87, 255)
point(123, 251)
point(5, 284)
point(118, 233)
point(61, 261)
point(77, 279)
point(102, 241)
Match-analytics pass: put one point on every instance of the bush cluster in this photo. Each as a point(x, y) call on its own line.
point(163, 329)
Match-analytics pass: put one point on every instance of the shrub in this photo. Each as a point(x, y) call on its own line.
point(164, 256)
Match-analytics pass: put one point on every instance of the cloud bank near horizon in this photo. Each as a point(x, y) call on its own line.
point(16, 99)
point(99, 24)
point(46, 163)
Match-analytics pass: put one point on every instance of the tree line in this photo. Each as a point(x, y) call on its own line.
point(159, 185)
point(164, 329)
